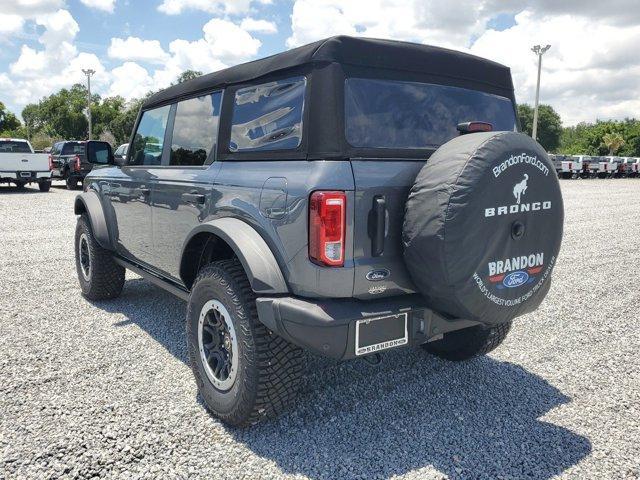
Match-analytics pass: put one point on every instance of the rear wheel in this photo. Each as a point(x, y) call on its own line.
point(244, 372)
point(100, 276)
point(72, 183)
point(469, 342)
point(44, 186)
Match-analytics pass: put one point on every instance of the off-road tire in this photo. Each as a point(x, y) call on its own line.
point(44, 186)
point(467, 343)
point(106, 277)
point(269, 367)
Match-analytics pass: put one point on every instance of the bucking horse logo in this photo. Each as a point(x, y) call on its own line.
point(520, 188)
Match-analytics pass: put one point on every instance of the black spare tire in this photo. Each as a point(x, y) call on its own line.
point(483, 227)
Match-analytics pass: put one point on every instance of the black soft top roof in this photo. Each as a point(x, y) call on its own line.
point(358, 52)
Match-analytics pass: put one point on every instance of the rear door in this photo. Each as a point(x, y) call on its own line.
point(399, 116)
point(183, 186)
point(130, 193)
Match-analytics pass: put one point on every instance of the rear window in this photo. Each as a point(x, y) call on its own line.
point(268, 116)
point(14, 147)
point(410, 115)
point(73, 149)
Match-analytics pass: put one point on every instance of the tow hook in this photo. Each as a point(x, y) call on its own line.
point(374, 359)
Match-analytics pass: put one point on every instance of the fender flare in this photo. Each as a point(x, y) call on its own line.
point(89, 202)
point(259, 263)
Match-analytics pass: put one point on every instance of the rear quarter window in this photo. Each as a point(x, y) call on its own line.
point(268, 116)
point(411, 115)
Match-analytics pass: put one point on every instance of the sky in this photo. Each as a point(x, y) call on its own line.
point(591, 71)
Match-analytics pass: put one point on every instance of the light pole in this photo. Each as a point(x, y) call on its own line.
point(88, 73)
point(539, 51)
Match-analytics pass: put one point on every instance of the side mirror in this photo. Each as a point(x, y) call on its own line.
point(99, 153)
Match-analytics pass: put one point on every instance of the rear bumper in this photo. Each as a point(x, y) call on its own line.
point(33, 176)
point(328, 327)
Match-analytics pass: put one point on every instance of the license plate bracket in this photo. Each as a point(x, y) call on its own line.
point(25, 174)
point(381, 333)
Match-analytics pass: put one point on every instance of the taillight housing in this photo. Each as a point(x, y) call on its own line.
point(50, 163)
point(327, 225)
point(77, 163)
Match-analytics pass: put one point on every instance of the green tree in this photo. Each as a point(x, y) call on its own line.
point(8, 121)
point(549, 125)
point(187, 75)
point(594, 138)
point(613, 141)
point(122, 125)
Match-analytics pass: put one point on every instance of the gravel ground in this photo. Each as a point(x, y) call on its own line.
point(103, 389)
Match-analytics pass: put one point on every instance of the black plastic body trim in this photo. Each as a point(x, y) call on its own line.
point(170, 287)
point(327, 327)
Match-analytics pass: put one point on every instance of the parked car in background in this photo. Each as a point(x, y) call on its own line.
point(628, 166)
point(588, 165)
point(565, 166)
point(608, 166)
point(121, 153)
point(69, 162)
point(20, 165)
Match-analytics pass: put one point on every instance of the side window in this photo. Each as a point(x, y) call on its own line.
point(149, 137)
point(268, 116)
point(195, 130)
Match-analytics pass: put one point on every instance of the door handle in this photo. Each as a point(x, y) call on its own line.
point(194, 198)
point(380, 224)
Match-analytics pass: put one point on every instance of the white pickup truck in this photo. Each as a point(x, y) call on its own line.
point(19, 165)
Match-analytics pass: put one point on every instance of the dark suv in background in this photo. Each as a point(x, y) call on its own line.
point(68, 162)
point(346, 197)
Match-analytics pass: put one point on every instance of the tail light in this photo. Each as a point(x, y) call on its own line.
point(50, 163)
point(570, 166)
point(327, 228)
point(77, 163)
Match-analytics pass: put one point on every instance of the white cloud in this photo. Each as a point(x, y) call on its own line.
point(134, 48)
point(216, 7)
point(439, 22)
point(130, 80)
point(223, 44)
point(59, 27)
point(259, 26)
point(591, 70)
point(40, 72)
point(30, 8)
point(10, 24)
point(106, 5)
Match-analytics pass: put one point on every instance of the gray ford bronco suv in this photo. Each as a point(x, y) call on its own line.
point(346, 197)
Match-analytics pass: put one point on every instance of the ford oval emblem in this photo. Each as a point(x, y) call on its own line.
point(377, 275)
point(515, 279)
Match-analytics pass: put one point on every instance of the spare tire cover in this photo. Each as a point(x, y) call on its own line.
point(483, 227)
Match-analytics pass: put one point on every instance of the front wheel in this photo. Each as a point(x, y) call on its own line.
point(100, 276)
point(467, 343)
point(244, 372)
